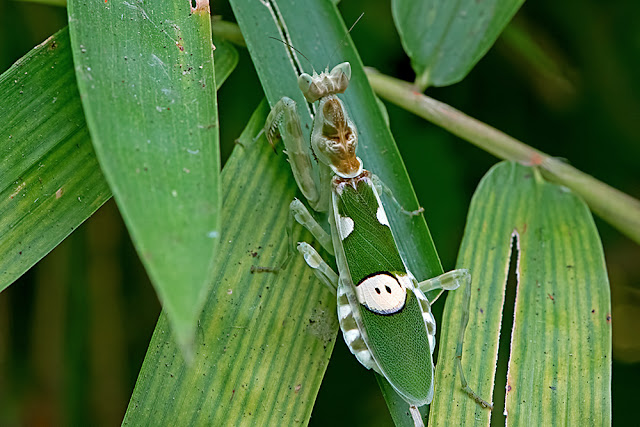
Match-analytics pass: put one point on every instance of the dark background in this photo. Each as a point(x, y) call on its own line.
point(75, 328)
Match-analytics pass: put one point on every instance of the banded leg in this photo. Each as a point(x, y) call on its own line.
point(446, 282)
point(283, 120)
point(383, 188)
point(302, 215)
point(320, 268)
point(450, 281)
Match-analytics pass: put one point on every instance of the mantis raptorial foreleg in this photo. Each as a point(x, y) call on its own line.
point(283, 120)
point(383, 188)
point(319, 266)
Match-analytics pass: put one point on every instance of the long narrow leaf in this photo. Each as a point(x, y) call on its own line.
point(560, 351)
point(445, 39)
point(50, 181)
point(263, 339)
point(145, 74)
point(326, 43)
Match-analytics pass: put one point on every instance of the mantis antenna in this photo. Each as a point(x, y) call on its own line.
point(294, 48)
point(343, 39)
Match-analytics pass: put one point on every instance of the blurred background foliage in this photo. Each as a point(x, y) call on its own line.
point(562, 78)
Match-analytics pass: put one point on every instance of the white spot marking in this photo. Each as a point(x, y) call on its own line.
point(364, 357)
point(381, 294)
point(213, 234)
point(351, 336)
point(432, 342)
point(344, 311)
point(345, 224)
point(382, 216)
point(406, 280)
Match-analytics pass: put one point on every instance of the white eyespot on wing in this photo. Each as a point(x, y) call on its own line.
point(381, 293)
point(382, 216)
point(345, 226)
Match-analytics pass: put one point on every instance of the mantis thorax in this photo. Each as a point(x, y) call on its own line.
point(334, 138)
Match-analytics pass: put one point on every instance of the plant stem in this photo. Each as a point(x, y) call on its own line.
point(617, 208)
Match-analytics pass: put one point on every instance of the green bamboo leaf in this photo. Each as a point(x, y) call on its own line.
point(225, 59)
point(445, 39)
point(145, 74)
point(266, 339)
point(326, 43)
point(560, 351)
point(51, 181)
point(261, 337)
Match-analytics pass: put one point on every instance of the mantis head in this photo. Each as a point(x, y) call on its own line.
point(327, 83)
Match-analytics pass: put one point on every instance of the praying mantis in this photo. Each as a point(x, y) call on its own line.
point(384, 315)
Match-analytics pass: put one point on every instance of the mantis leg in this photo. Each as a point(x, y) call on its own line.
point(446, 282)
point(463, 326)
point(283, 120)
point(300, 213)
point(319, 266)
point(383, 188)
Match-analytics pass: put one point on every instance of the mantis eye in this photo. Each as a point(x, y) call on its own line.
point(343, 70)
point(304, 82)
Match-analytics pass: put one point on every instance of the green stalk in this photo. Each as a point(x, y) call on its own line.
point(617, 208)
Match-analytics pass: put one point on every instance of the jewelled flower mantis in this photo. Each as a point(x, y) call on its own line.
point(383, 312)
